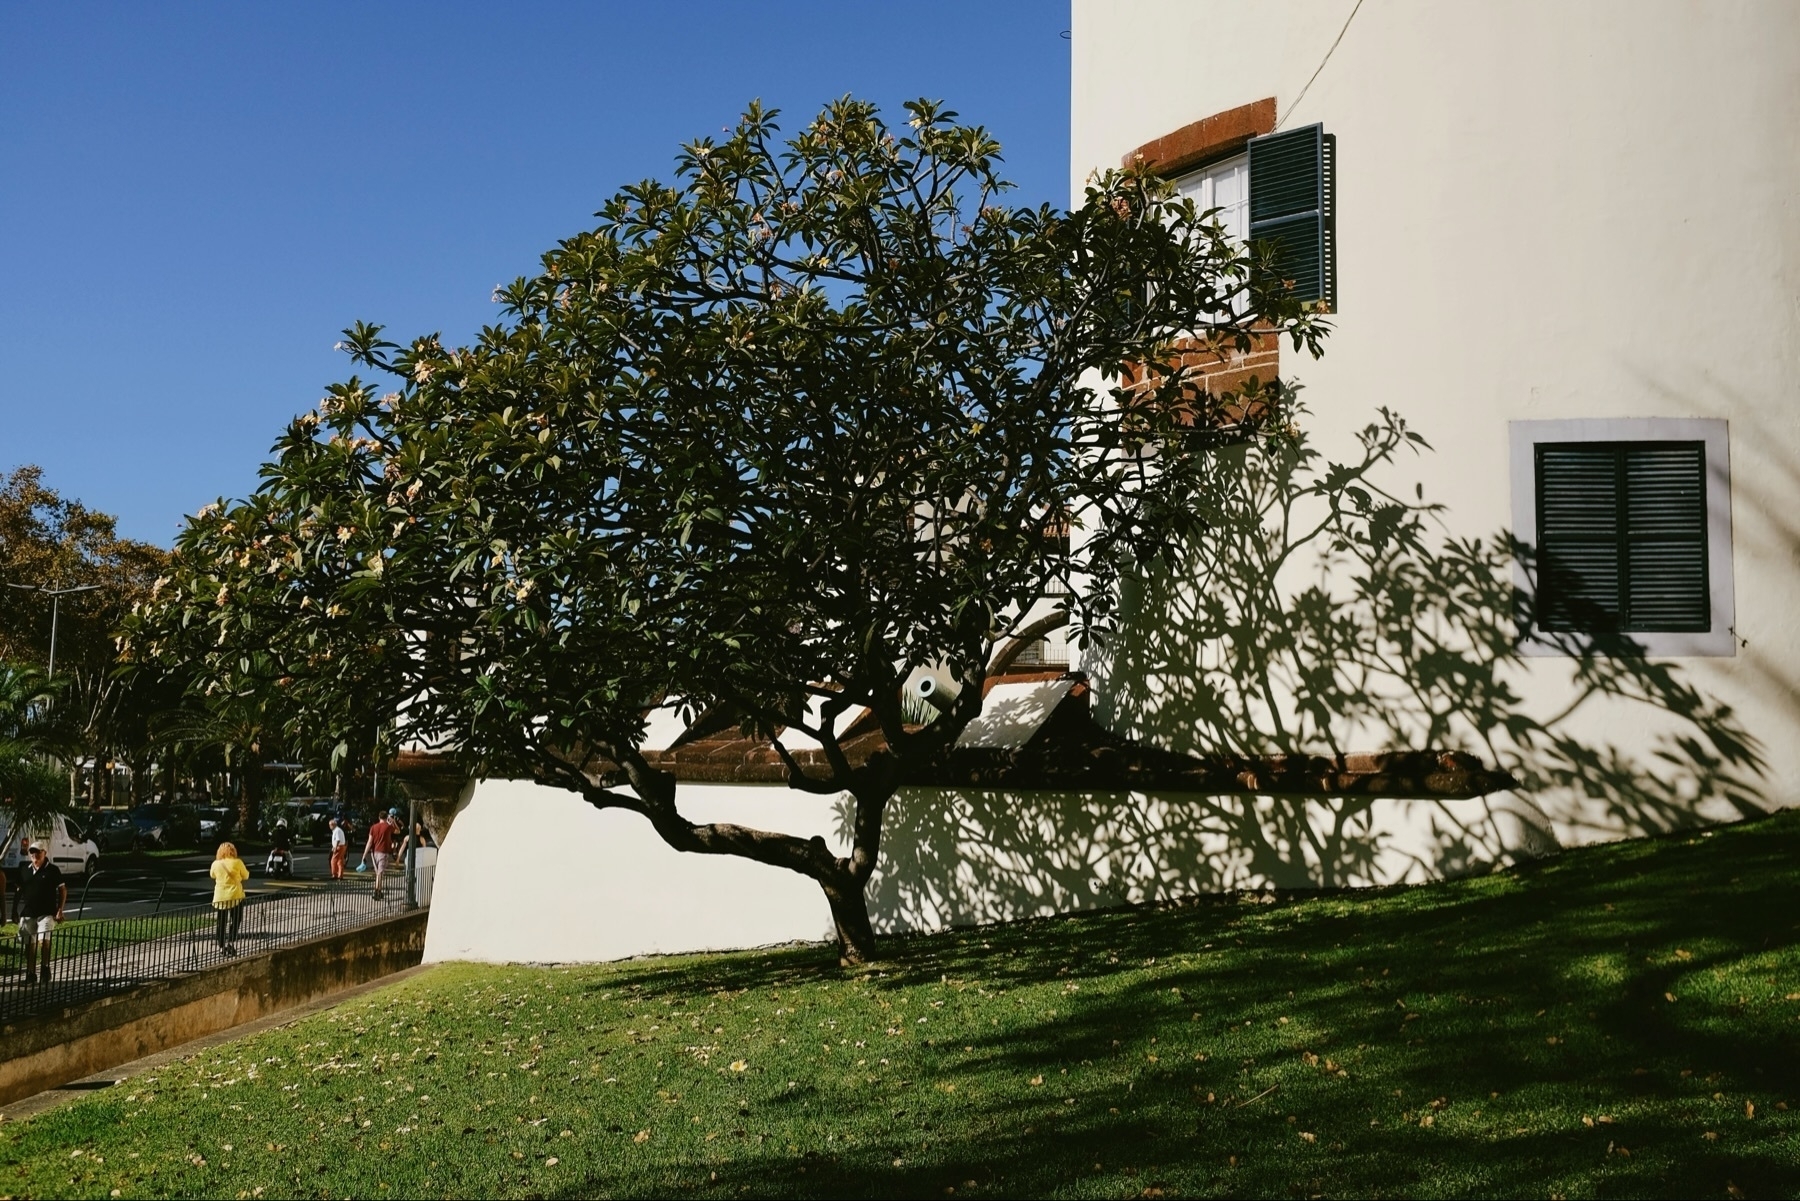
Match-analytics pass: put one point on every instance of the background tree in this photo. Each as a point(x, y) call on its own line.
point(52, 542)
point(47, 541)
point(769, 439)
point(234, 729)
point(31, 789)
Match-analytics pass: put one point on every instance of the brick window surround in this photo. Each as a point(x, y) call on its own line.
point(1218, 136)
point(1206, 140)
point(1210, 375)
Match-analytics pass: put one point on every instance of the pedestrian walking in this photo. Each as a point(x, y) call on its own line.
point(419, 839)
point(379, 849)
point(42, 898)
point(229, 874)
point(340, 848)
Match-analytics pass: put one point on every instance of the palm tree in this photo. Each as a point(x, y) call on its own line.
point(31, 789)
point(233, 729)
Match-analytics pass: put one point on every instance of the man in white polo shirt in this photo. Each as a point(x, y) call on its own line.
point(340, 847)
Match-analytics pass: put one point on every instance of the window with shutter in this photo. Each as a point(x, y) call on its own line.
point(1622, 537)
point(1292, 207)
point(1627, 523)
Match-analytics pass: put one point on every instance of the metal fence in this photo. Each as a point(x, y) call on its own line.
point(104, 956)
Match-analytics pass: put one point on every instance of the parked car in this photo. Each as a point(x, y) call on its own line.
point(216, 822)
point(179, 824)
point(70, 847)
point(319, 818)
point(114, 831)
point(152, 829)
point(306, 817)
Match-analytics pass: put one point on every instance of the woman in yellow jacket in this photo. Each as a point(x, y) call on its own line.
point(229, 874)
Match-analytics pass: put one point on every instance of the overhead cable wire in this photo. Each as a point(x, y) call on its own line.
point(1321, 66)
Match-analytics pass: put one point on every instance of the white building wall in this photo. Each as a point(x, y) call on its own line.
point(532, 873)
point(1545, 210)
point(537, 875)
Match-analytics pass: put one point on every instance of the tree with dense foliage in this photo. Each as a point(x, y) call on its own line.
point(767, 440)
point(48, 541)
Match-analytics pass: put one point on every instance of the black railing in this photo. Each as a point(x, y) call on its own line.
point(103, 956)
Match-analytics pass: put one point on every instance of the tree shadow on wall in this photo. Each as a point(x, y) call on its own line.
point(1326, 614)
point(1765, 523)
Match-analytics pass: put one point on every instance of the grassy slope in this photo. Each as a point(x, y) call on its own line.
point(1618, 1021)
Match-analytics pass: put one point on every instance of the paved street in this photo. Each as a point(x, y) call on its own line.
point(128, 885)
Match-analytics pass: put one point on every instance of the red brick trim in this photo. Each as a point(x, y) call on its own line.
point(1209, 138)
point(1214, 377)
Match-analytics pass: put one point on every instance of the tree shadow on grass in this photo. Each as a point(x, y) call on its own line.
point(1479, 1023)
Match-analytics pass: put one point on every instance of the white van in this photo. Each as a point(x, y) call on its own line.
point(70, 847)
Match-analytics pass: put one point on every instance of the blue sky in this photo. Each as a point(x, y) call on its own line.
point(195, 198)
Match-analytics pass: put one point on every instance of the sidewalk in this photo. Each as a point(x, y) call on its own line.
point(113, 955)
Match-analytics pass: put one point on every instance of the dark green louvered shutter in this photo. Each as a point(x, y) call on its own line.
point(1292, 205)
point(1622, 537)
point(1578, 537)
point(1665, 537)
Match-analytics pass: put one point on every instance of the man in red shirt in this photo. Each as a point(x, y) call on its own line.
point(380, 846)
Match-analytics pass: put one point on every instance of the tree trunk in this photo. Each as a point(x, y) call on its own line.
point(850, 917)
point(842, 879)
point(249, 775)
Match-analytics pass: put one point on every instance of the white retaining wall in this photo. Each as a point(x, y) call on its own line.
point(534, 874)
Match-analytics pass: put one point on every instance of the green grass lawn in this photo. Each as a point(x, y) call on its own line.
point(1622, 1021)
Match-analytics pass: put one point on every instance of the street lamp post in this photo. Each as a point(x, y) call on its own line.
point(412, 853)
point(55, 595)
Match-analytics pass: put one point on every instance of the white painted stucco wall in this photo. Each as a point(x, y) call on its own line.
point(534, 874)
point(1545, 210)
point(531, 873)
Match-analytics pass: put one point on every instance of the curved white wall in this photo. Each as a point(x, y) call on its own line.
point(537, 875)
point(533, 874)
